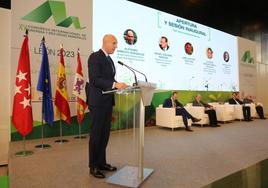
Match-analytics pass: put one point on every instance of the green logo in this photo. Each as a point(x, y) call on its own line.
point(56, 9)
point(247, 57)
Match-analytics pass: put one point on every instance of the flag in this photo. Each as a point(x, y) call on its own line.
point(44, 85)
point(61, 98)
point(22, 117)
point(79, 91)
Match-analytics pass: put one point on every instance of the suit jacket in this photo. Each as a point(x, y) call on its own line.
point(201, 103)
point(233, 101)
point(163, 48)
point(168, 103)
point(247, 101)
point(101, 72)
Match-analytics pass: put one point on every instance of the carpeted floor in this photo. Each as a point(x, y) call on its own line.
point(180, 159)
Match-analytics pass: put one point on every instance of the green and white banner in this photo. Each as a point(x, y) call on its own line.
point(59, 22)
point(247, 67)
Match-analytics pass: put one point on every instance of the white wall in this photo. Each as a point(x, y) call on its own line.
point(253, 78)
point(5, 17)
point(247, 70)
point(262, 79)
point(262, 89)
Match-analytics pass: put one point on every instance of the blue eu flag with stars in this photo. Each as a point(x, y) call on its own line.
point(44, 85)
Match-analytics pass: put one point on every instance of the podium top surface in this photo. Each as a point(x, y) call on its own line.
point(141, 84)
point(146, 84)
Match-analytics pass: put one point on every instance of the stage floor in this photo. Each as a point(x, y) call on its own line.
point(180, 159)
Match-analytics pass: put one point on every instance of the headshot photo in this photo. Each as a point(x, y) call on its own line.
point(130, 37)
point(188, 47)
point(226, 56)
point(209, 53)
point(163, 43)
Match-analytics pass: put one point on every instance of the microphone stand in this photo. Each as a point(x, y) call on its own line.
point(135, 77)
point(137, 71)
point(133, 70)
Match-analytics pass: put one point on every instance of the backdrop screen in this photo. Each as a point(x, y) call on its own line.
point(174, 53)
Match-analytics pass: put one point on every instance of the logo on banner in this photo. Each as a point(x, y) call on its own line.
point(57, 10)
point(247, 58)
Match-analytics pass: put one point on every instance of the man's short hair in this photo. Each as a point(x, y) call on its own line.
point(163, 37)
point(130, 31)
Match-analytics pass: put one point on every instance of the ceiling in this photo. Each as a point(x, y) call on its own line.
point(5, 4)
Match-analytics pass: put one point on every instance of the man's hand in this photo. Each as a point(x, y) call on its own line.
point(120, 85)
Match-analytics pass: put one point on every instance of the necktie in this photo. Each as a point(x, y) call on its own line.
point(111, 62)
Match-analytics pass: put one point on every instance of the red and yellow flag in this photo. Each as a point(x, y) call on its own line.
point(62, 108)
point(79, 91)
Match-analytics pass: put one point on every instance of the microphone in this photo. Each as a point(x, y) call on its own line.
point(121, 63)
point(135, 77)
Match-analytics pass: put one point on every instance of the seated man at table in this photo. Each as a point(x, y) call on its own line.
point(213, 122)
point(259, 108)
point(180, 110)
point(246, 109)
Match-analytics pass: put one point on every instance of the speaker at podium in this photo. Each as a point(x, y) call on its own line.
point(133, 176)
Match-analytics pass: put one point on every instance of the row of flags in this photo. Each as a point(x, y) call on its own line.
point(22, 117)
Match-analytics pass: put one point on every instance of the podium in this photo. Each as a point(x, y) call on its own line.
point(133, 176)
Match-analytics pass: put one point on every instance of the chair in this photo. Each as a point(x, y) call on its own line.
point(166, 117)
point(253, 112)
point(238, 111)
point(225, 112)
point(199, 113)
point(256, 115)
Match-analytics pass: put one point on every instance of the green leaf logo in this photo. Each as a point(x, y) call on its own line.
point(247, 58)
point(56, 9)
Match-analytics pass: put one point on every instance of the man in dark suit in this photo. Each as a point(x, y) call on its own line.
point(258, 107)
point(208, 110)
point(246, 109)
point(163, 44)
point(180, 110)
point(101, 71)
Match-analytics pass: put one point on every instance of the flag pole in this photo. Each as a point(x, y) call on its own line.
point(78, 105)
point(79, 129)
point(42, 146)
point(24, 152)
point(61, 140)
point(79, 136)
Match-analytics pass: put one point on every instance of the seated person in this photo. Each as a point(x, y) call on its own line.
point(259, 108)
point(246, 109)
point(180, 110)
point(208, 110)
